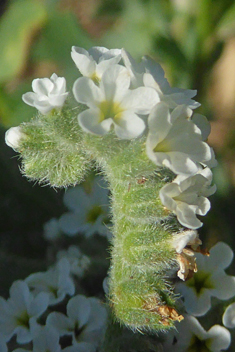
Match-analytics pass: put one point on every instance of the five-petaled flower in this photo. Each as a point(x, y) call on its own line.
point(174, 141)
point(187, 197)
point(112, 103)
point(209, 281)
point(94, 62)
point(191, 336)
point(48, 93)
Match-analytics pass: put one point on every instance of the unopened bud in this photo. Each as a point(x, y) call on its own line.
point(13, 137)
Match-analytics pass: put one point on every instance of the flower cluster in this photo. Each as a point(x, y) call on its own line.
point(135, 99)
point(37, 296)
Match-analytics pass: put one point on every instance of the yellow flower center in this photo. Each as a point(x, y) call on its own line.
point(200, 281)
point(110, 109)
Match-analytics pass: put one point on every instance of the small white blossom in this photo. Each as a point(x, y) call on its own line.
point(229, 316)
point(78, 261)
point(187, 197)
point(210, 280)
point(52, 230)
point(185, 244)
point(88, 210)
point(3, 345)
point(191, 336)
point(151, 74)
point(94, 62)
point(13, 137)
point(85, 320)
point(56, 282)
point(19, 313)
point(174, 141)
point(48, 341)
point(186, 238)
point(48, 93)
point(113, 104)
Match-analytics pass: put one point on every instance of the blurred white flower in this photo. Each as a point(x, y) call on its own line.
point(51, 230)
point(88, 210)
point(191, 336)
point(20, 312)
point(3, 345)
point(174, 141)
point(48, 93)
point(113, 104)
point(13, 137)
point(48, 341)
point(85, 320)
point(94, 62)
point(56, 282)
point(151, 74)
point(229, 316)
point(209, 281)
point(78, 261)
point(187, 197)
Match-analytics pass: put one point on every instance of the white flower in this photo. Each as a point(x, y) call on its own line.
point(229, 316)
point(94, 62)
point(210, 280)
point(78, 261)
point(174, 141)
point(48, 93)
point(185, 244)
point(187, 197)
point(204, 125)
point(85, 320)
point(20, 312)
point(88, 210)
point(52, 230)
point(48, 341)
point(3, 345)
point(56, 282)
point(13, 137)
point(113, 104)
point(186, 238)
point(191, 336)
point(150, 73)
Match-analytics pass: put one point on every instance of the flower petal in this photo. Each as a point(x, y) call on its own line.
point(90, 122)
point(129, 126)
point(86, 92)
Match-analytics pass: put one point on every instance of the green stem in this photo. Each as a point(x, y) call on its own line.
point(141, 252)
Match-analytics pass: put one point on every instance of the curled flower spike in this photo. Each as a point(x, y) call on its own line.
point(113, 104)
point(175, 141)
point(48, 93)
point(94, 62)
point(187, 197)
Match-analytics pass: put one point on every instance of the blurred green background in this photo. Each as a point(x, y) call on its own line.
point(194, 41)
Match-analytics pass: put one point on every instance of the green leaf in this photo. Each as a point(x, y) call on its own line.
point(226, 26)
point(61, 32)
point(17, 26)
